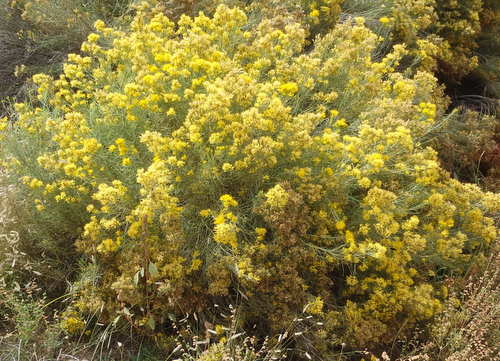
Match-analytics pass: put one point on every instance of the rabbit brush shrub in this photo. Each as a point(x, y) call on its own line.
point(440, 35)
point(37, 35)
point(204, 158)
point(316, 16)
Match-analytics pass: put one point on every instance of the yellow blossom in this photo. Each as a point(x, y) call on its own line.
point(315, 307)
point(205, 212)
point(226, 233)
point(277, 197)
point(340, 225)
point(228, 201)
point(314, 13)
point(261, 233)
point(226, 167)
point(289, 89)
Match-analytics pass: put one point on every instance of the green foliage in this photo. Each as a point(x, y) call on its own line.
point(23, 311)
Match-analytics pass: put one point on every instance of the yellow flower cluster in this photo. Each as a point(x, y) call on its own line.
point(323, 14)
point(315, 307)
point(226, 233)
point(288, 89)
point(253, 164)
point(277, 197)
point(73, 324)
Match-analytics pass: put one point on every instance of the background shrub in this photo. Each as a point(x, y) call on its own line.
point(36, 36)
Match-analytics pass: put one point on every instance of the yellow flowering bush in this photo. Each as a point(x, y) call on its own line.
point(442, 35)
point(37, 35)
point(316, 16)
point(459, 25)
point(201, 160)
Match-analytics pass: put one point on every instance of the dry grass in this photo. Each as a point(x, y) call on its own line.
point(467, 329)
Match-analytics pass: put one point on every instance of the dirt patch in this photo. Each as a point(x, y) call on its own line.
point(12, 54)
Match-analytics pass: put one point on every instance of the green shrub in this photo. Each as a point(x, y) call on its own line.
point(489, 48)
point(199, 162)
point(470, 150)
